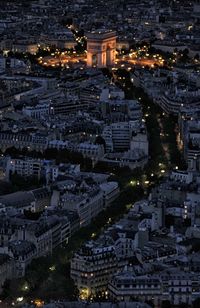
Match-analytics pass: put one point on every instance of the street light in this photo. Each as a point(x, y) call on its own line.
point(52, 268)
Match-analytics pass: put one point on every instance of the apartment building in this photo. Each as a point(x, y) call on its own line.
point(92, 266)
point(173, 285)
point(117, 136)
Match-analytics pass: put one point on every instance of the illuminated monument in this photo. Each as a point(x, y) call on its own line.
point(101, 48)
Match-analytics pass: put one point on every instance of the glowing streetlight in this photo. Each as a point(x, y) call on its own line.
point(52, 268)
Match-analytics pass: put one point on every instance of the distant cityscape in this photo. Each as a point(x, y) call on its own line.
point(100, 153)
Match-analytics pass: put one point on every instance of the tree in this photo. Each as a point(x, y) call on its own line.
point(196, 303)
point(58, 287)
point(51, 153)
point(196, 57)
point(3, 86)
point(38, 271)
point(169, 220)
point(32, 215)
point(166, 304)
point(150, 303)
point(187, 222)
point(5, 289)
point(184, 55)
point(185, 51)
point(5, 188)
point(12, 151)
point(23, 183)
point(100, 140)
point(183, 305)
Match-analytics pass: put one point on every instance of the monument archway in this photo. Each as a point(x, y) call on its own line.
point(101, 46)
